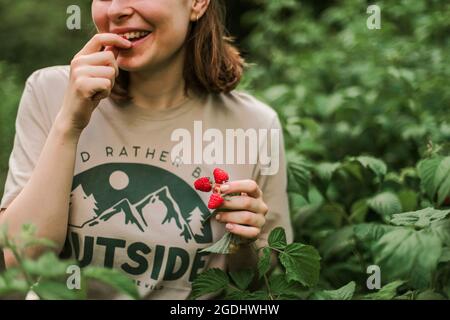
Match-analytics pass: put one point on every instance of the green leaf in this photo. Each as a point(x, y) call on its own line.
point(302, 263)
point(387, 292)
point(338, 243)
point(441, 229)
point(56, 290)
point(299, 174)
point(385, 204)
point(408, 199)
point(419, 219)
point(225, 245)
point(11, 281)
point(277, 238)
point(370, 232)
point(429, 295)
point(264, 262)
point(47, 265)
point(408, 254)
point(442, 175)
point(326, 170)
point(445, 256)
point(114, 278)
point(283, 289)
point(359, 211)
point(377, 166)
point(233, 294)
point(344, 293)
point(209, 281)
point(242, 278)
point(427, 173)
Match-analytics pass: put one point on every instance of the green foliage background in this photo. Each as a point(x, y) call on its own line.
point(366, 120)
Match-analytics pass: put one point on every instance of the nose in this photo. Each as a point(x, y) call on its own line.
point(119, 11)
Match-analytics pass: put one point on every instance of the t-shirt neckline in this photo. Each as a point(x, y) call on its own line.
point(129, 109)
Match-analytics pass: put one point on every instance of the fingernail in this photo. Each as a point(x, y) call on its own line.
point(224, 187)
point(229, 226)
point(217, 216)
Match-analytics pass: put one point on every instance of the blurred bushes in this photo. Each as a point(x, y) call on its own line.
point(10, 91)
point(360, 109)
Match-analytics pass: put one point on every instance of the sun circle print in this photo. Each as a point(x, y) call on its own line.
point(119, 180)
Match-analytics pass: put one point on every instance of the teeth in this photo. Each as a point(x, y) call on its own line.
point(134, 35)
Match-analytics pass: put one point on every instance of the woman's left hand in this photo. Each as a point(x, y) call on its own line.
point(248, 210)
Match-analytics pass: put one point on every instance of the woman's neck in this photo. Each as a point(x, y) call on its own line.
point(158, 89)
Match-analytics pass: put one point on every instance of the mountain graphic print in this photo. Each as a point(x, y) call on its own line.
point(141, 219)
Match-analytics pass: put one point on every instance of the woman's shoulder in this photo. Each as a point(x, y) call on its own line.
point(50, 76)
point(44, 91)
point(245, 106)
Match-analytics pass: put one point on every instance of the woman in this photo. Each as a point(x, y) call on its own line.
point(93, 164)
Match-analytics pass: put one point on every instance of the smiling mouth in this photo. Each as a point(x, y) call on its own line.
point(135, 36)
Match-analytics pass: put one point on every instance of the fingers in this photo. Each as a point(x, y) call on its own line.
point(102, 40)
point(243, 231)
point(94, 88)
point(249, 187)
point(104, 58)
point(242, 217)
point(114, 50)
point(245, 203)
point(97, 72)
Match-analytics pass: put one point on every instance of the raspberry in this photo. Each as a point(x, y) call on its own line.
point(215, 201)
point(220, 176)
point(203, 184)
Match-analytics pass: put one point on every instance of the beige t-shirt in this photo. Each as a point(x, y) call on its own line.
point(133, 205)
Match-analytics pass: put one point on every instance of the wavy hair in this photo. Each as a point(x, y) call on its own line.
point(212, 63)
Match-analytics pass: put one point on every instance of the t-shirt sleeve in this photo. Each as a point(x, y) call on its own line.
point(273, 183)
point(32, 128)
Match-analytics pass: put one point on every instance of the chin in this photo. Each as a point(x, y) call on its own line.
point(131, 64)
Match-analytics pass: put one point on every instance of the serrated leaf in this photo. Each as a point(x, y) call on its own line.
point(209, 281)
point(337, 243)
point(385, 204)
point(47, 265)
point(325, 170)
point(56, 290)
point(442, 179)
point(233, 294)
point(242, 278)
point(299, 174)
point(114, 278)
point(277, 238)
point(406, 253)
point(264, 262)
point(370, 232)
point(441, 229)
point(444, 191)
point(387, 292)
point(377, 166)
point(427, 173)
point(344, 293)
point(302, 263)
point(419, 219)
point(283, 289)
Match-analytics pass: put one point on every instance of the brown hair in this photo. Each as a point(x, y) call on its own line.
point(212, 65)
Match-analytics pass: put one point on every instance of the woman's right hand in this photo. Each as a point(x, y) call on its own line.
point(92, 77)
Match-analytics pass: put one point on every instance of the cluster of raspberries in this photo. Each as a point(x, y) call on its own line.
point(205, 184)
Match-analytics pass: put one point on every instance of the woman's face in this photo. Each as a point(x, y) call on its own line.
point(157, 28)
